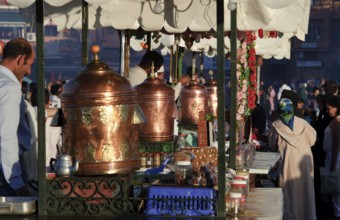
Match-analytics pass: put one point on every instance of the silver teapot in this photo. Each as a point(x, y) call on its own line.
point(63, 166)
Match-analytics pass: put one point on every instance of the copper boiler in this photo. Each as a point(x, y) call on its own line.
point(101, 116)
point(157, 100)
point(192, 99)
point(212, 99)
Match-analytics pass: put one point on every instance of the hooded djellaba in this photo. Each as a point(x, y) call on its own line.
point(293, 138)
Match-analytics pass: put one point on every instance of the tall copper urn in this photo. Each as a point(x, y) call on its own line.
point(212, 99)
point(192, 99)
point(157, 100)
point(101, 116)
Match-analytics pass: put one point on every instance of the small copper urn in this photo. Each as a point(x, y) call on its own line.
point(101, 120)
point(157, 100)
point(212, 99)
point(192, 99)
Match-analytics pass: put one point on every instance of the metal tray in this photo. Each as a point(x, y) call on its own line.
point(17, 205)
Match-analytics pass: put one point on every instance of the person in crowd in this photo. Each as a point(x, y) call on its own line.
point(331, 87)
point(52, 134)
point(33, 86)
point(271, 98)
point(313, 102)
point(258, 118)
point(15, 135)
point(331, 145)
point(284, 86)
point(320, 125)
point(139, 73)
point(189, 74)
point(298, 103)
point(293, 137)
point(161, 74)
point(183, 81)
point(55, 101)
point(303, 91)
point(24, 88)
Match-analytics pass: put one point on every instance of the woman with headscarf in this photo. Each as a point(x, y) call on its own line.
point(293, 138)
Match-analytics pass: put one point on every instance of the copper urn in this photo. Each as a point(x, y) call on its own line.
point(212, 99)
point(157, 100)
point(192, 99)
point(101, 118)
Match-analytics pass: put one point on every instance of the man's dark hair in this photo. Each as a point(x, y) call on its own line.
point(16, 47)
point(33, 86)
point(330, 87)
point(34, 97)
point(55, 89)
point(149, 57)
point(24, 87)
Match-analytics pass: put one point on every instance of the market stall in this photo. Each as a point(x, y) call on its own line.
point(173, 17)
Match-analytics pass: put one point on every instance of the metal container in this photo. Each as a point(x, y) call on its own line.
point(157, 100)
point(17, 205)
point(212, 99)
point(101, 114)
point(192, 100)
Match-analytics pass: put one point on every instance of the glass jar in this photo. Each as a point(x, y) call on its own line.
point(183, 173)
point(143, 160)
point(240, 186)
point(157, 159)
point(149, 160)
point(244, 173)
point(234, 203)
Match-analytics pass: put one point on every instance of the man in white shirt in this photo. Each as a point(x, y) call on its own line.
point(15, 136)
point(139, 73)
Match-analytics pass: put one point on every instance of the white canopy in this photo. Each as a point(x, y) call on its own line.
point(176, 16)
point(287, 16)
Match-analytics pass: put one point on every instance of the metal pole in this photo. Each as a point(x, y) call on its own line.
point(122, 52)
point(84, 33)
point(221, 208)
point(42, 210)
point(233, 62)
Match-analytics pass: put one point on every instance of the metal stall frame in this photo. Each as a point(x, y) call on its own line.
point(221, 205)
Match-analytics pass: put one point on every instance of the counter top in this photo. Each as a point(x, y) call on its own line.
point(263, 162)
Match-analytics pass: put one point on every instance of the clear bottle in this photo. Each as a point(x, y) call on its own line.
point(183, 173)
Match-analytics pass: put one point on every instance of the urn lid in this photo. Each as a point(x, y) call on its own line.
point(193, 88)
point(153, 86)
point(97, 78)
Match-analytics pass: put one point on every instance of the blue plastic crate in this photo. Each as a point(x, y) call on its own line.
point(177, 201)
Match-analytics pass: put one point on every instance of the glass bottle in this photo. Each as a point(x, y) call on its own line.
point(149, 160)
point(156, 159)
point(143, 160)
point(183, 173)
